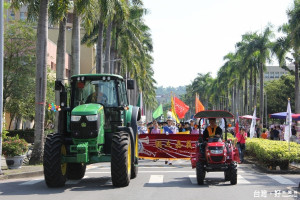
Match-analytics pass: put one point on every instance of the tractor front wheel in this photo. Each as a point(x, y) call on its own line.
point(54, 170)
point(75, 171)
point(121, 159)
point(200, 172)
point(233, 174)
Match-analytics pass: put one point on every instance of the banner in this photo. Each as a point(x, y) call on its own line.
point(180, 107)
point(288, 122)
point(158, 112)
point(140, 103)
point(253, 123)
point(162, 146)
point(198, 105)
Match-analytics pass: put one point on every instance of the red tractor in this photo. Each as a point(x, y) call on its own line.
point(215, 154)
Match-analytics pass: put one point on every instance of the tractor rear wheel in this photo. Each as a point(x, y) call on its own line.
point(75, 171)
point(136, 114)
point(54, 169)
point(200, 172)
point(121, 159)
point(233, 174)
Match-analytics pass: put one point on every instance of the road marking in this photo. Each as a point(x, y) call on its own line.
point(85, 176)
point(1, 193)
point(242, 180)
point(158, 167)
point(193, 179)
point(282, 180)
point(32, 182)
point(146, 172)
point(156, 179)
point(72, 182)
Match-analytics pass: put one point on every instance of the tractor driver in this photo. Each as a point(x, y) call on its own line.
point(212, 130)
point(97, 96)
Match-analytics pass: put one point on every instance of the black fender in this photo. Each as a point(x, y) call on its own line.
point(131, 135)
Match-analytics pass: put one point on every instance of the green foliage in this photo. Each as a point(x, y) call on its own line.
point(19, 68)
point(278, 91)
point(273, 153)
point(14, 146)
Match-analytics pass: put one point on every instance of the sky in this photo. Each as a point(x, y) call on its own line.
point(193, 36)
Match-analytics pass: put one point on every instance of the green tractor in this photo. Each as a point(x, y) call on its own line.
point(97, 126)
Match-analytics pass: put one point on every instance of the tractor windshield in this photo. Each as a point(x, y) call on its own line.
point(95, 91)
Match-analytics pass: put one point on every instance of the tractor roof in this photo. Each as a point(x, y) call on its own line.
point(114, 76)
point(214, 114)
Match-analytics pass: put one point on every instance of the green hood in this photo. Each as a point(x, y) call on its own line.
point(87, 109)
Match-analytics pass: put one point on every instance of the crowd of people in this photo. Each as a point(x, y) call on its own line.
point(273, 132)
point(168, 127)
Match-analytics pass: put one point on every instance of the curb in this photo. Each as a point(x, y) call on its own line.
point(266, 170)
point(22, 175)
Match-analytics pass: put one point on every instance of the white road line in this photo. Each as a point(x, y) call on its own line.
point(281, 180)
point(32, 182)
point(242, 180)
point(158, 167)
point(72, 182)
point(156, 179)
point(85, 176)
point(193, 179)
point(146, 172)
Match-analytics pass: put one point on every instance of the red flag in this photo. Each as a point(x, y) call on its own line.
point(180, 107)
point(199, 106)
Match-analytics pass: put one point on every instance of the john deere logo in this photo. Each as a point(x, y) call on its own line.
point(83, 125)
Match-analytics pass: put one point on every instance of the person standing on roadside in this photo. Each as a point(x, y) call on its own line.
point(241, 141)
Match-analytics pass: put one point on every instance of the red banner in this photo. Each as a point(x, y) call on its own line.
point(180, 107)
point(162, 146)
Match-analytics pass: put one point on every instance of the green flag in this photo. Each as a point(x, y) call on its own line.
point(158, 112)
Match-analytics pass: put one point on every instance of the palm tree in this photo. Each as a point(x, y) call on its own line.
point(290, 43)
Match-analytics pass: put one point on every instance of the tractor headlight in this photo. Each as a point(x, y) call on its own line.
point(75, 118)
point(92, 117)
point(216, 151)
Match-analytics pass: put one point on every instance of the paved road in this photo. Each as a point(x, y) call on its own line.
point(157, 181)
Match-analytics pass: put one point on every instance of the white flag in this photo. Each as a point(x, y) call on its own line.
point(253, 123)
point(288, 125)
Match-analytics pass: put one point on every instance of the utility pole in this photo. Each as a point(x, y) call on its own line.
point(1, 77)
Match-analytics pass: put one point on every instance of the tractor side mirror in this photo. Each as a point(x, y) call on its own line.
point(130, 84)
point(59, 85)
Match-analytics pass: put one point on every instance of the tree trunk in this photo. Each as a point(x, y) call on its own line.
point(297, 104)
point(107, 47)
point(251, 90)
point(261, 96)
point(246, 97)
point(75, 46)
point(113, 62)
point(255, 89)
point(99, 56)
point(41, 83)
point(60, 63)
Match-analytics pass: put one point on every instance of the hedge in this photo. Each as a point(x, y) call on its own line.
point(27, 135)
point(273, 153)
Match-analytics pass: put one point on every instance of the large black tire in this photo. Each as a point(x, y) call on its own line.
point(121, 159)
point(134, 165)
point(54, 169)
point(200, 172)
point(136, 114)
point(227, 174)
point(233, 174)
point(75, 171)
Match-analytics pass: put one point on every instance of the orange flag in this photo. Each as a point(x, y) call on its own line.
point(199, 106)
